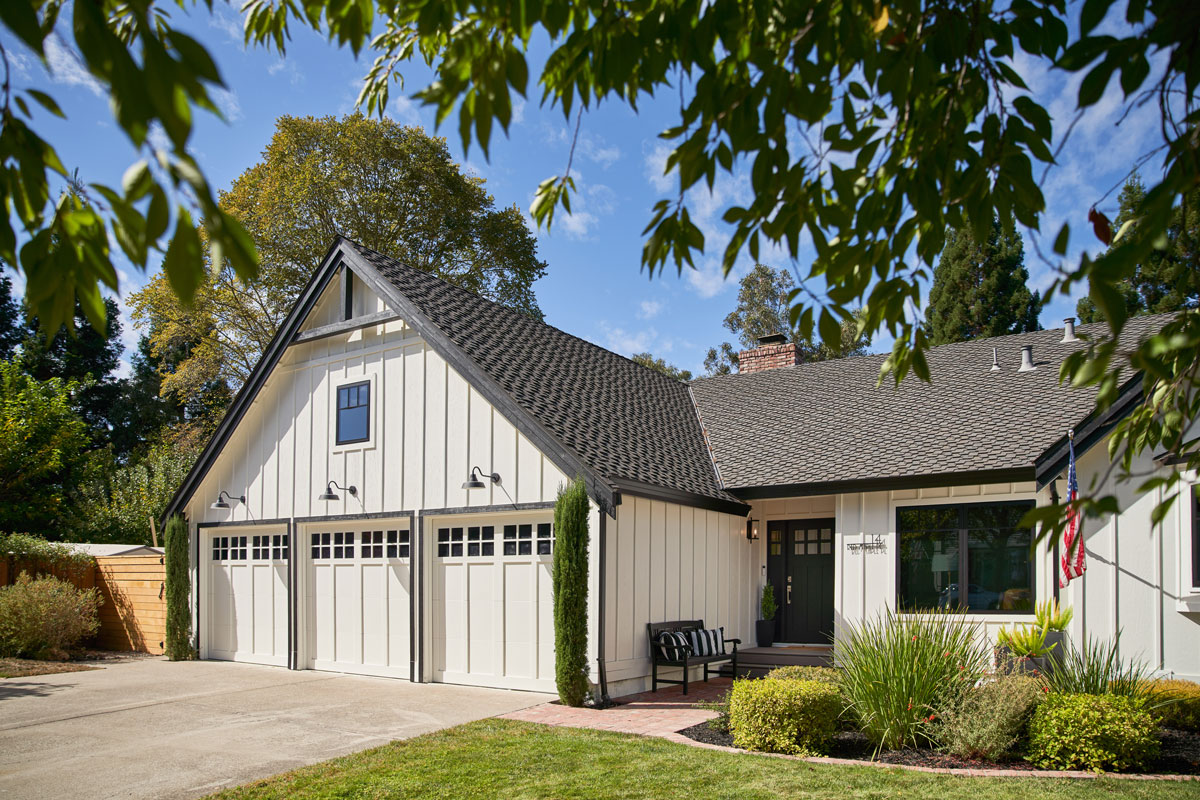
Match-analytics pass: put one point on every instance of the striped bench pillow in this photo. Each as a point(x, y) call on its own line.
point(674, 645)
point(709, 642)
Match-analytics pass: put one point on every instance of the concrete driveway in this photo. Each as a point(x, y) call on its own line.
point(154, 729)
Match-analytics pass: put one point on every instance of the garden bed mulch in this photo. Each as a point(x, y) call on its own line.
point(82, 661)
point(1180, 755)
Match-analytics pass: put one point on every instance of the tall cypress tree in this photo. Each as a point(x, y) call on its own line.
point(979, 288)
point(570, 593)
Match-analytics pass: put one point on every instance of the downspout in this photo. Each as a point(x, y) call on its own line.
point(604, 701)
point(1054, 553)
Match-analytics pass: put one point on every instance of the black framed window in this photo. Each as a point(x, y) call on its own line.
point(354, 413)
point(974, 556)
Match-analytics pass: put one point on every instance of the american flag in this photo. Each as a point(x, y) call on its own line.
point(1073, 565)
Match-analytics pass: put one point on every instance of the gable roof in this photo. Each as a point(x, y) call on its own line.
point(820, 427)
point(622, 426)
point(634, 427)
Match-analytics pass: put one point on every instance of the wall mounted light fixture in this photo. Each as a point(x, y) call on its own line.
point(475, 479)
point(752, 529)
point(330, 494)
point(221, 503)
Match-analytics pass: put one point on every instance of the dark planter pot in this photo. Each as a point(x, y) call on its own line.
point(1056, 655)
point(764, 632)
point(1024, 665)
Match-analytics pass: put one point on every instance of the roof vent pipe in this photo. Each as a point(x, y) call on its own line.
point(1027, 359)
point(1069, 330)
point(995, 361)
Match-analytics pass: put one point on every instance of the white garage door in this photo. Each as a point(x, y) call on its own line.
point(493, 621)
point(247, 614)
point(358, 595)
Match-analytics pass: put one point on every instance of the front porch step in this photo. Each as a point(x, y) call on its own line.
point(754, 662)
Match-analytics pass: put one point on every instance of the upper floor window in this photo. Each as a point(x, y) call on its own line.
point(974, 556)
point(354, 413)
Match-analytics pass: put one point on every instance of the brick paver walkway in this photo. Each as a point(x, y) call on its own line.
point(660, 713)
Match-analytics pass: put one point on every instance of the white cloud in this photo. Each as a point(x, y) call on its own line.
point(655, 161)
point(601, 199)
point(588, 146)
point(518, 111)
point(626, 342)
point(406, 111)
point(578, 223)
point(288, 67)
point(227, 101)
point(229, 22)
point(66, 67)
point(157, 137)
point(650, 309)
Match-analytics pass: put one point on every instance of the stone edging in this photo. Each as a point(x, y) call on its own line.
point(961, 771)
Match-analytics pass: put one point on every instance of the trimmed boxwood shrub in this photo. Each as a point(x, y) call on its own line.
point(1178, 703)
point(1094, 732)
point(45, 617)
point(570, 593)
point(784, 715)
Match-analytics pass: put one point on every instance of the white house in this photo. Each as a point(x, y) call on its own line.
point(333, 527)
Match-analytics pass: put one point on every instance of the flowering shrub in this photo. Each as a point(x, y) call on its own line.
point(1178, 703)
point(1095, 732)
point(898, 670)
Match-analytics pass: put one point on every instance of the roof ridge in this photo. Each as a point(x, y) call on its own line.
point(514, 312)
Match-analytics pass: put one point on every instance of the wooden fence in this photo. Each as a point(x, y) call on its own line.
point(134, 613)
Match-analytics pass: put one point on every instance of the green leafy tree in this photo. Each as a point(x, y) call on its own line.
point(764, 308)
point(392, 188)
point(43, 451)
point(570, 593)
point(178, 643)
point(979, 287)
point(117, 504)
point(659, 365)
point(1168, 279)
point(923, 101)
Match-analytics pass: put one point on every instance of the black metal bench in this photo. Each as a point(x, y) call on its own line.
point(659, 656)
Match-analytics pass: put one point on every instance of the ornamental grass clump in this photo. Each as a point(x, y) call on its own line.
point(898, 670)
point(785, 715)
point(1092, 732)
point(1097, 669)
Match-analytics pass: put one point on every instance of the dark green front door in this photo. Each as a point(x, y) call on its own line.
point(800, 567)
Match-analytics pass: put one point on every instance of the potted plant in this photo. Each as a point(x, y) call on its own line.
point(1026, 645)
point(1054, 621)
point(764, 629)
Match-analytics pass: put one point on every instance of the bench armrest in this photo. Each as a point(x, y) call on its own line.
point(735, 643)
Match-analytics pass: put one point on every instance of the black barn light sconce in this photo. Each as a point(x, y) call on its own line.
point(223, 498)
point(752, 529)
point(330, 494)
point(475, 479)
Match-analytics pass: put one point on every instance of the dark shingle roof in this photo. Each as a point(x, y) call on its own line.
point(622, 419)
point(828, 422)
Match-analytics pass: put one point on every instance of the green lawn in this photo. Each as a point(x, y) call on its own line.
point(499, 758)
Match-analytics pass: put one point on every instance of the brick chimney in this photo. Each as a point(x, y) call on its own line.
point(773, 352)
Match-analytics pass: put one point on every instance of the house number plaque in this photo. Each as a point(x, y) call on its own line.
point(876, 545)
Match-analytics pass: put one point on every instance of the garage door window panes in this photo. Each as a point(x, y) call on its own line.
point(333, 545)
point(229, 548)
point(519, 539)
point(450, 542)
point(273, 547)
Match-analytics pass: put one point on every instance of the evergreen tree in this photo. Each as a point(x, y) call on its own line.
point(12, 323)
point(1169, 280)
point(86, 355)
point(979, 288)
point(570, 580)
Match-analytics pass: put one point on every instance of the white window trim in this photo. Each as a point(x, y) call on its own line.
point(1189, 593)
point(372, 412)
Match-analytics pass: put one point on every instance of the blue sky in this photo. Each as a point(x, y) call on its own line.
point(595, 287)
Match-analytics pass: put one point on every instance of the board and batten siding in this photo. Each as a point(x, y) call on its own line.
point(429, 427)
point(1138, 574)
point(668, 562)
